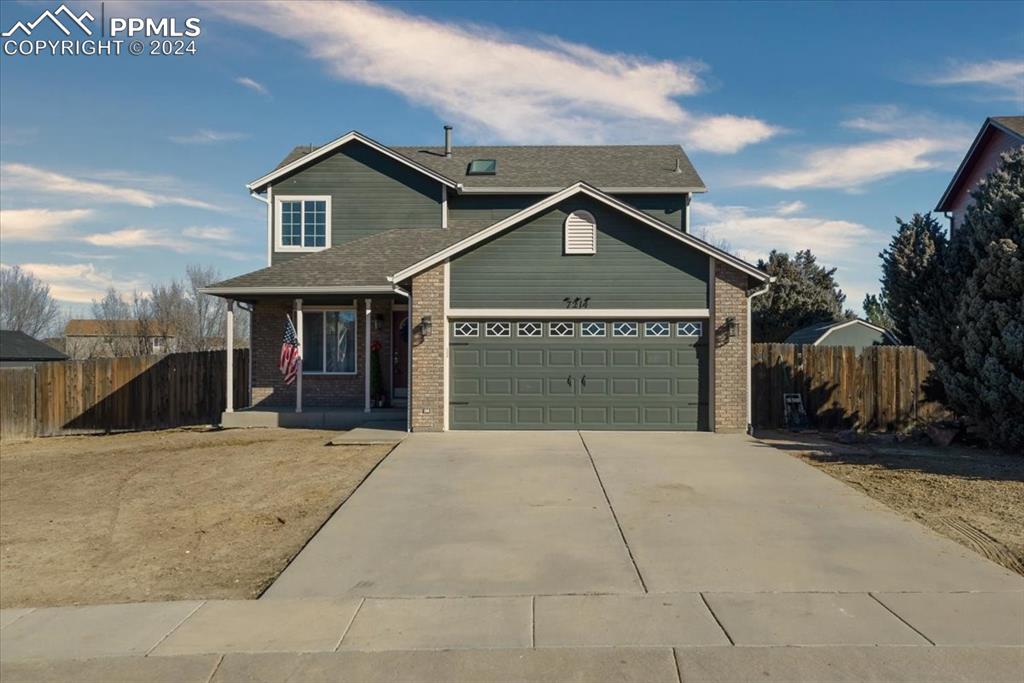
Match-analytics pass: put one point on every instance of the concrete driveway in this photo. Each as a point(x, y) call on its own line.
point(567, 513)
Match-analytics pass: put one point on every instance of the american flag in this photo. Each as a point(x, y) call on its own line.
point(290, 359)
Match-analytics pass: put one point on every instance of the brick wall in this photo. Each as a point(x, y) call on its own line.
point(428, 353)
point(730, 350)
point(341, 391)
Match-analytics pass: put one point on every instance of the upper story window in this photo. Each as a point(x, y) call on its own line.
point(580, 233)
point(303, 223)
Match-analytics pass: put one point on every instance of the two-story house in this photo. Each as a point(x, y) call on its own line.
point(526, 287)
point(998, 134)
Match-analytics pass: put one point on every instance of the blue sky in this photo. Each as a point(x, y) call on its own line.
point(813, 125)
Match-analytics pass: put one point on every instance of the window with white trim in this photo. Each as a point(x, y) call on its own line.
point(689, 329)
point(592, 328)
point(329, 342)
point(625, 329)
point(657, 328)
point(529, 329)
point(498, 329)
point(466, 329)
point(560, 329)
point(303, 223)
point(580, 233)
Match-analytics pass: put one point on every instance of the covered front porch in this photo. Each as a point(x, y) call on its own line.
point(353, 367)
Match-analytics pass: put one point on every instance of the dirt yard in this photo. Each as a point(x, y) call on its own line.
point(165, 515)
point(971, 495)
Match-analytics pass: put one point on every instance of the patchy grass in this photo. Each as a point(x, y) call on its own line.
point(166, 515)
point(971, 495)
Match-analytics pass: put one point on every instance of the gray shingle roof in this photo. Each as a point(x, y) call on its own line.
point(556, 166)
point(16, 345)
point(812, 333)
point(366, 262)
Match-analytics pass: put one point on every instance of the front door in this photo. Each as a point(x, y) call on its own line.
point(400, 355)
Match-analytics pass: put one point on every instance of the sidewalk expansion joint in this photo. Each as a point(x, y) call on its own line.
point(717, 620)
point(907, 623)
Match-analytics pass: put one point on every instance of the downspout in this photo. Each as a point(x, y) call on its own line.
point(249, 308)
point(750, 358)
point(408, 347)
point(949, 217)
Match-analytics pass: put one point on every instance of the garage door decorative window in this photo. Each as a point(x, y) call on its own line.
point(690, 329)
point(498, 329)
point(657, 329)
point(467, 329)
point(560, 329)
point(624, 329)
point(530, 329)
point(592, 329)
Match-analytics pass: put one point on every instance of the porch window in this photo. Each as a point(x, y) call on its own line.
point(304, 223)
point(329, 337)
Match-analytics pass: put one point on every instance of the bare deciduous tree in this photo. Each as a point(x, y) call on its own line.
point(26, 304)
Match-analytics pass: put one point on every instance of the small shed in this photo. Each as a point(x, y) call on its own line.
point(17, 349)
point(857, 333)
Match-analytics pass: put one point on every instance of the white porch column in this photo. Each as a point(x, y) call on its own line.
point(229, 337)
point(366, 358)
point(302, 352)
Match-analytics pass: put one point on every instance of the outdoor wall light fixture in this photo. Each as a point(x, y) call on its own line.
point(731, 326)
point(425, 325)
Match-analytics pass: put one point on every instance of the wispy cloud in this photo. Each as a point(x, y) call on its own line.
point(212, 233)
point(80, 282)
point(1002, 76)
point(49, 182)
point(133, 238)
point(518, 89)
point(205, 136)
point(39, 225)
point(253, 85)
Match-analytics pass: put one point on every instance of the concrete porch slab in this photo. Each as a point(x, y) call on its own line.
point(195, 669)
point(372, 434)
point(809, 619)
point(625, 621)
point(261, 626)
point(92, 631)
point(962, 618)
point(622, 665)
point(441, 623)
point(311, 418)
point(850, 664)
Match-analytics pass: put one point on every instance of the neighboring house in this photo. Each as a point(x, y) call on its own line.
point(857, 333)
point(110, 338)
point(998, 134)
point(545, 287)
point(17, 349)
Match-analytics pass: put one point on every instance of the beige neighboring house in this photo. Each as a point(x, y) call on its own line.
point(998, 134)
point(109, 338)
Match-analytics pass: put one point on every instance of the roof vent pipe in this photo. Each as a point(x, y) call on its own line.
point(448, 141)
point(679, 168)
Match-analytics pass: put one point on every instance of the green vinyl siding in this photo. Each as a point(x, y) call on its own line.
point(667, 208)
point(369, 191)
point(480, 211)
point(635, 266)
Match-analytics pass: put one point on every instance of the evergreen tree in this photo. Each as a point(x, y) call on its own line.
point(911, 260)
point(973, 324)
point(803, 294)
point(876, 311)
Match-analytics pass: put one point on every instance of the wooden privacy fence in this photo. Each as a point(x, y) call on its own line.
point(108, 394)
point(878, 389)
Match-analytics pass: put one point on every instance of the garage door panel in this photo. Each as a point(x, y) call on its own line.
point(538, 382)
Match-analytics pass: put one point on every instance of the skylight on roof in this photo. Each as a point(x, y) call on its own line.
point(482, 167)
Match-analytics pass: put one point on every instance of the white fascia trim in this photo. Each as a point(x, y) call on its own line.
point(462, 189)
point(278, 200)
point(578, 313)
point(594, 193)
point(242, 291)
point(259, 183)
point(858, 321)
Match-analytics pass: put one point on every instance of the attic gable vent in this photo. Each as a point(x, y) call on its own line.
point(580, 233)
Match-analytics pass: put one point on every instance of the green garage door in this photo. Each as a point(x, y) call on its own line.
point(572, 374)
